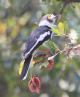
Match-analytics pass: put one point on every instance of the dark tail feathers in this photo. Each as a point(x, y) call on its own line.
point(25, 68)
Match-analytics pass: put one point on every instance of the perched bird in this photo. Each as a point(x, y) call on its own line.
point(41, 34)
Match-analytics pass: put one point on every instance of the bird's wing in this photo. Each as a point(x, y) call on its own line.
point(29, 46)
point(36, 38)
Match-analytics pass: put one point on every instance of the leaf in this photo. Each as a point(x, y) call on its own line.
point(24, 19)
point(60, 29)
point(15, 31)
point(11, 22)
point(3, 27)
point(34, 84)
point(55, 30)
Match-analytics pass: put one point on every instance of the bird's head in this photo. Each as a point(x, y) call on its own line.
point(48, 20)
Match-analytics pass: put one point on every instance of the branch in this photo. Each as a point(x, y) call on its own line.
point(76, 49)
point(66, 2)
point(70, 1)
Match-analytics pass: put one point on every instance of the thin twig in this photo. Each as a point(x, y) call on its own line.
point(64, 50)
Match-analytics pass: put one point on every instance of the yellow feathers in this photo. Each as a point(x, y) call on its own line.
point(49, 16)
point(21, 67)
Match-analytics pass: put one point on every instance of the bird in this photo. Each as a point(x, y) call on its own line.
point(36, 38)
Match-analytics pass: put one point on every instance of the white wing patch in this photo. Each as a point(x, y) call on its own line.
point(41, 38)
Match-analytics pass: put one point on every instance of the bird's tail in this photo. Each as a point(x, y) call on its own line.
point(24, 66)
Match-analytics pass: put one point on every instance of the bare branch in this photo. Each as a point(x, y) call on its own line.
point(69, 49)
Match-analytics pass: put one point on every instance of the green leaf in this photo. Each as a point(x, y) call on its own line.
point(60, 29)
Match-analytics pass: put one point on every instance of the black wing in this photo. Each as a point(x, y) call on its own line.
point(33, 41)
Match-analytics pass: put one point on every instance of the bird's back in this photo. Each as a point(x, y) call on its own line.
point(33, 40)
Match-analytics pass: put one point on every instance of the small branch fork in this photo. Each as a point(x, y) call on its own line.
point(77, 47)
point(65, 3)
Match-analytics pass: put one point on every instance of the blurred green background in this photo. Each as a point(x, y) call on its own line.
point(17, 19)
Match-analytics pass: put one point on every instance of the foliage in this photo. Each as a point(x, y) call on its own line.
point(17, 19)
